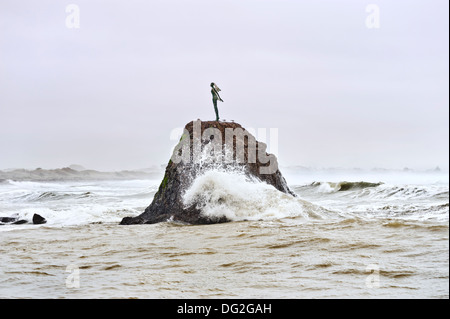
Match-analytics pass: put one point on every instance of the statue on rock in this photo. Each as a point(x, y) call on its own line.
point(209, 146)
point(215, 96)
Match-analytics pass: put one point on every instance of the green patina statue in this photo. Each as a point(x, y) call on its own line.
point(215, 96)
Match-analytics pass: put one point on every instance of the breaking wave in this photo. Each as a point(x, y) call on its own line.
point(381, 200)
point(343, 186)
point(376, 190)
point(48, 196)
point(237, 196)
point(74, 203)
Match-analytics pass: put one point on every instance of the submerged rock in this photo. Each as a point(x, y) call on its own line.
point(37, 219)
point(19, 222)
point(7, 219)
point(12, 221)
point(205, 146)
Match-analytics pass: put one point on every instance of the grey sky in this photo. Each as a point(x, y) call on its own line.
point(108, 94)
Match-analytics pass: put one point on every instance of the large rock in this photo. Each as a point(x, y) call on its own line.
point(205, 146)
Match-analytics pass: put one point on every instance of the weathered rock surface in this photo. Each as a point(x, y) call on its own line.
point(205, 145)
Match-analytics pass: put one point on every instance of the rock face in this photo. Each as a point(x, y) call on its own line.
point(204, 146)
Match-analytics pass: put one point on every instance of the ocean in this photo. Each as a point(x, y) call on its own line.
point(347, 234)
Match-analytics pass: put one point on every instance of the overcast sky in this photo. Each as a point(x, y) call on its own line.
point(108, 94)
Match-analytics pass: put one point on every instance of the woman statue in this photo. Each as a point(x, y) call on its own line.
point(215, 96)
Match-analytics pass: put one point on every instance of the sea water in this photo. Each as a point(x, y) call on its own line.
point(347, 234)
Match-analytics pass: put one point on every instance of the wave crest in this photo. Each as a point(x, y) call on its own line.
point(236, 196)
point(344, 186)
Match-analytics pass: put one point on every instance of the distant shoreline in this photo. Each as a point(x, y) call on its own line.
point(80, 174)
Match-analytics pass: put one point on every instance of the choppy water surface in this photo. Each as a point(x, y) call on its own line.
point(377, 239)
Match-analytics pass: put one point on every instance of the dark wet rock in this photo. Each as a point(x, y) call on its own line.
point(12, 221)
point(20, 221)
point(8, 219)
point(38, 219)
point(168, 204)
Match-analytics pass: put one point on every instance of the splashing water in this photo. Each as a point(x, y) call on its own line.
point(237, 196)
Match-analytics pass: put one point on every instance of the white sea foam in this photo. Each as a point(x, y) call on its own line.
point(381, 200)
point(227, 192)
point(238, 197)
point(74, 203)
